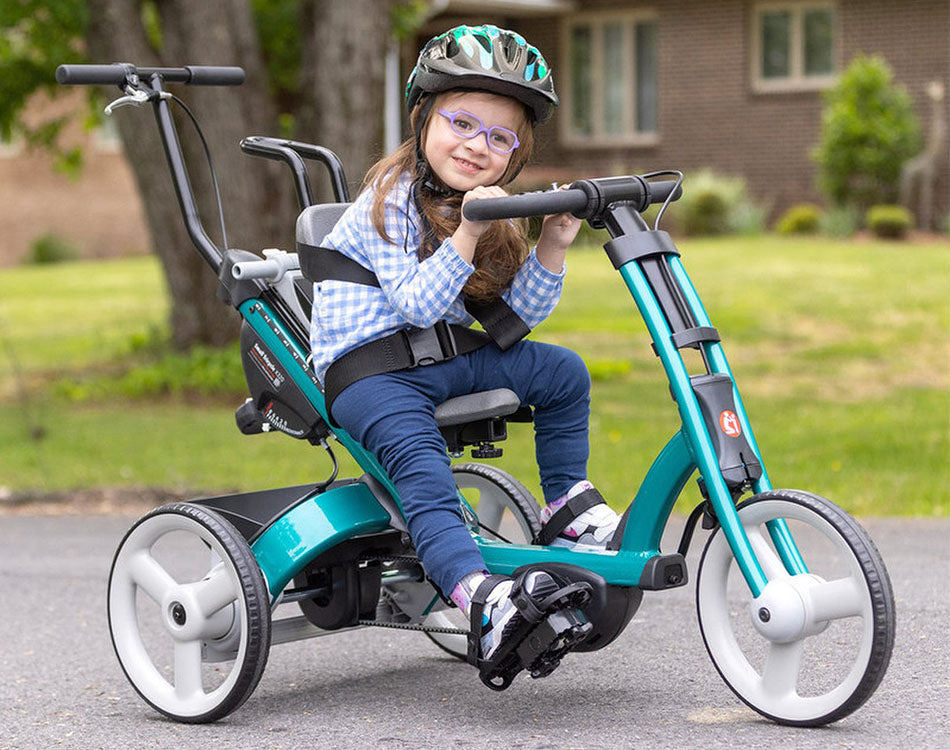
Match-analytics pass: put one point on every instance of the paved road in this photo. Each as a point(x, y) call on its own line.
point(61, 685)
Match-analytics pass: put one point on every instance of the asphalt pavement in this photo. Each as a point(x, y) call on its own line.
point(60, 683)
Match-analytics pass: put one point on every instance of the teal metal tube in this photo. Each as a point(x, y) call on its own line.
point(694, 427)
point(261, 318)
point(778, 529)
point(651, 508)
point(617, 568)
point(313, 527)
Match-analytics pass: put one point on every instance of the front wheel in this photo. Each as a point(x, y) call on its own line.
point(814, 646)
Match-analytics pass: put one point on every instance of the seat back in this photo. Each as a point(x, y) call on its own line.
point(315, 222)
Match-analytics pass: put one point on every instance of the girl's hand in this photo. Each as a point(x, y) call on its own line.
point(559, 230)
point(475, 228)
point(466, 236)
point(557, 233)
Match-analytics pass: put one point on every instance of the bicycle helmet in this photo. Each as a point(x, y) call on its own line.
point(484, 58)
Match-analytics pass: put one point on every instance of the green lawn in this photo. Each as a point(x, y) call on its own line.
point(840, 350)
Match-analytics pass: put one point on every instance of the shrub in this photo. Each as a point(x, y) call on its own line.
point(711, 204)
point(839, 221)
point(51, 248)
point(868, 130)
point(802, 218)
point(888, 221)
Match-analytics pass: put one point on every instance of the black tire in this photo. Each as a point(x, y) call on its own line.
point(161, 557)
point(826, 667)
point(508, 497)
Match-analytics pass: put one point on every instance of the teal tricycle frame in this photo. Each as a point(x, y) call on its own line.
point(789, 602)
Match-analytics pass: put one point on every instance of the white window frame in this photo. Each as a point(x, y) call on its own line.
point(796, 80)
point(597, 21)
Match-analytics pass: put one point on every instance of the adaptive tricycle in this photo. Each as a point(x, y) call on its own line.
point(793, 600)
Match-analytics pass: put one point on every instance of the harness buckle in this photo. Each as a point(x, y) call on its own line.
point(431, 345)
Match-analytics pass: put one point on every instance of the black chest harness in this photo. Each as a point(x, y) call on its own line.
point(414, 347)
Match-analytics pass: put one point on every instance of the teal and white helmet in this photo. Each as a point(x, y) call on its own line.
point(484, 58)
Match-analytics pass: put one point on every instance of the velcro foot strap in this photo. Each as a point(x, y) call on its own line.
point(567, 514)
point(547, 625)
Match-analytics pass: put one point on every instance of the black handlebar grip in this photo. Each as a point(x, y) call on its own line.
point(215, 75)
point(114, 74)
point(526, 204)
point(661, 189)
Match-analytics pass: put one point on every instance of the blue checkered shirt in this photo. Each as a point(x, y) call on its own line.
point(411, 293)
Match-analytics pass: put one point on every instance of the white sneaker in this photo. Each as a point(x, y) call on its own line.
point(591, 529)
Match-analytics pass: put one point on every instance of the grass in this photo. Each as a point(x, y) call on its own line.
point(840, 350)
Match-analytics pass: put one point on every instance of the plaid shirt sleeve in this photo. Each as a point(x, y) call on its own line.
point(535, 291)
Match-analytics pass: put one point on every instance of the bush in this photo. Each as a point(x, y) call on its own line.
point(803, 218)
point(51, 248)
point(868, 130)
point(888, 221)
point(712, 204)
point(840, 221)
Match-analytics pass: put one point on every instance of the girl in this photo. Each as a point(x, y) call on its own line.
point(474, 98)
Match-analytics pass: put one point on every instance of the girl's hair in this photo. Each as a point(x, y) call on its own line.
point(501, 249)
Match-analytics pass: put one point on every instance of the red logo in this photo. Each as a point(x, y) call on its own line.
point(729, 423)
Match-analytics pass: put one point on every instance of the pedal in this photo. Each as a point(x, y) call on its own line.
point(541, 652)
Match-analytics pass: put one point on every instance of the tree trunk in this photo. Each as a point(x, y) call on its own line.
point(344, 50)
point(257, 196)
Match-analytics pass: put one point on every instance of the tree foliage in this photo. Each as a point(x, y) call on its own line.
point(868, 130)
point(314, 73)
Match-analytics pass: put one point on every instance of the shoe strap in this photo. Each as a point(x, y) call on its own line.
point(475, 611)
point(567, 513)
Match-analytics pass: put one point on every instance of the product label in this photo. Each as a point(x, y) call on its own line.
point(267, 366)
point(729, 423)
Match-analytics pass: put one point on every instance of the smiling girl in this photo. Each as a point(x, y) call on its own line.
point(474, 97)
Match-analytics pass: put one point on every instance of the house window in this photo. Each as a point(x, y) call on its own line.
point(793, 46)
point(611, 79)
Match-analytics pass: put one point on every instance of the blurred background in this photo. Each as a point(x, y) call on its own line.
point(815, 219)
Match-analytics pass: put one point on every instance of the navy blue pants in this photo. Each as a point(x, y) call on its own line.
point(392, 415)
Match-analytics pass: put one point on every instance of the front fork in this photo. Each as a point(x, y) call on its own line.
point(694, 447)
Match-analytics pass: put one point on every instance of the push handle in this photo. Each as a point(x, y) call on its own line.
point(120, 73)
point(584, 198)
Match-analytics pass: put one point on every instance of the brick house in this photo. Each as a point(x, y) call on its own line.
point(734, 85)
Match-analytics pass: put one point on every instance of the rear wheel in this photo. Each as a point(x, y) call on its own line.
point(189, 613)
point(505, 511)
point(813, 647)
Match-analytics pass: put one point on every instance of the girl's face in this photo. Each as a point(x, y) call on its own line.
point(465, 163)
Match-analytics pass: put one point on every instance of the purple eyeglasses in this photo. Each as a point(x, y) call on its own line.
point(465, 124)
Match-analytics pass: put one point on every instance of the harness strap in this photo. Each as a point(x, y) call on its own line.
point(564, 515)
point(323, 264)
point(503, 324)
point(416, 347)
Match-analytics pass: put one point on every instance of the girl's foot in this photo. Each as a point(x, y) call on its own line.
point(578, 520)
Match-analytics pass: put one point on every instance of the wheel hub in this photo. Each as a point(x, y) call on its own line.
point(779, 612)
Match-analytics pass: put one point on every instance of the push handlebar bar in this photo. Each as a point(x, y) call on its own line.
point(120, 73)
point(586, 199)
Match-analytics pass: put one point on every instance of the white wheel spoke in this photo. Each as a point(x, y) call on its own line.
point(772, 565)
point(834, 600)
point(150, 576)
point(188, 669)
point(215, 591)
point(780, 676)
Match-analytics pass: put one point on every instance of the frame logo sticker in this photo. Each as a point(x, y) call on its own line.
point(267, 366)
point(729, 423)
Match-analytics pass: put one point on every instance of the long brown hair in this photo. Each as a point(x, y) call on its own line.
point(501, 249)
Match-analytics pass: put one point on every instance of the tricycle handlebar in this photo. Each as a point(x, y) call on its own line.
point(585, 199)
point(120, 73)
